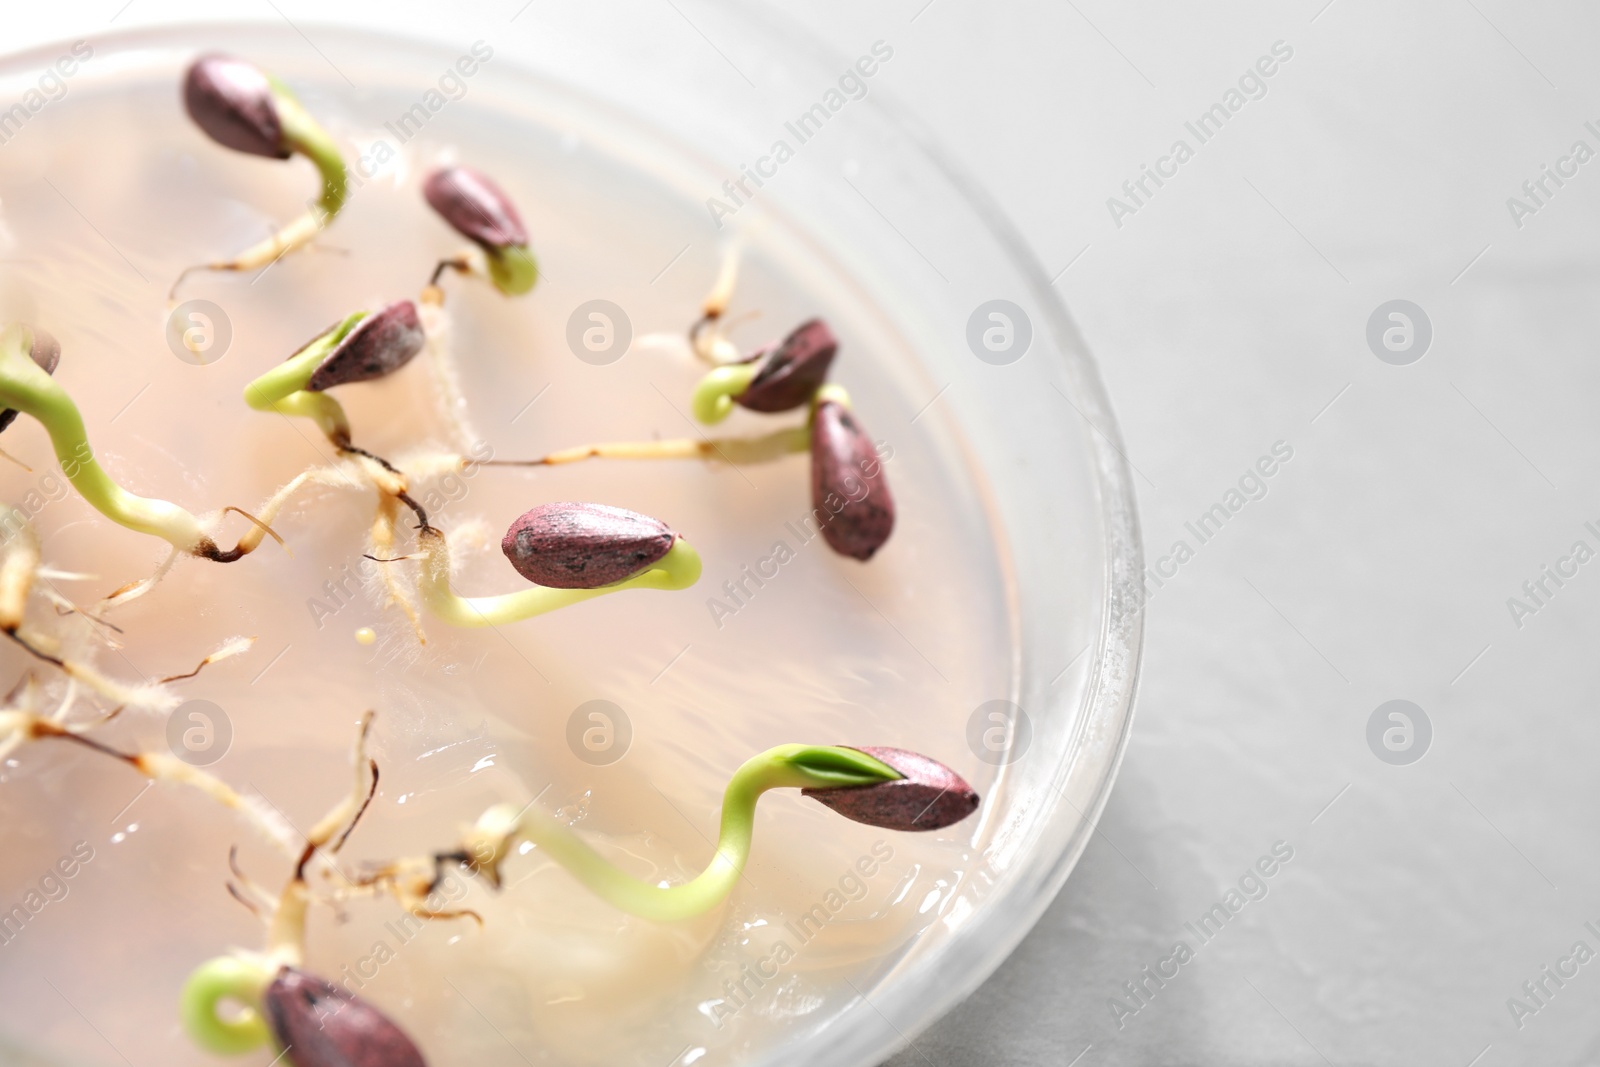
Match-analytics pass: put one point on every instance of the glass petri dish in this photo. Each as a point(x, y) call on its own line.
point(982, 370)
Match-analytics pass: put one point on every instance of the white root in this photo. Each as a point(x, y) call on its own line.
point(708, 339)
point(134, 590)
point(233, 646)
point(448, 397)
point(381, 545)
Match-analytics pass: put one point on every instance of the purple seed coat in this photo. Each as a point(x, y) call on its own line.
point(930, 797)
point(584, 546)
point(232, 102)
point(46, 352)
point(849, 493)
point(792, 372)
point(380, 344)
point(475, 206)
point(321, 1025)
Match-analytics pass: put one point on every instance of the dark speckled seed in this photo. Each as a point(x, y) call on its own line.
point(849, 493)
point(46, 352)
point(380, 344)
point(232, 102)
point(930, 796)
point(475, 206)
point(792, 373)
point(321, 1025)
point(584, 546)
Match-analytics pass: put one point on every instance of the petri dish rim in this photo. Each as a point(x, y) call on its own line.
point(916, 995)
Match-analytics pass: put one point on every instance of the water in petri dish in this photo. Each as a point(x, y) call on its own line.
point(104, 196)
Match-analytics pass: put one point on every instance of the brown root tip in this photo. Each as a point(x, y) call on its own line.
point(208, 549)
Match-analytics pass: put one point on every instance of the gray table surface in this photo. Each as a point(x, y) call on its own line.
point(1386, 559)
point(1229, 311)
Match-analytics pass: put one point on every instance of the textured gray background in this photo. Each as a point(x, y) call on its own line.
point(1230, 313)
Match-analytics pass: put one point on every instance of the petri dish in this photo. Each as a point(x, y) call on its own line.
point(1001, 634)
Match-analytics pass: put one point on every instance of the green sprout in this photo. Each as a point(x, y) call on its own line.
point(712, 400)
point(27, 387)
point(480, 211)
point(783, 767)
point(243, 108)
point(312, 1022)
point(361, 347)
point(358, 348)
point(284, 388)
point(885, 787)
point(240, 981)
point(242, 1000)
point(572, 552)
point(780, 377)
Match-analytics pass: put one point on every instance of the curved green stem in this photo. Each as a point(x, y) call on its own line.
point(713, 394)
point(240, 979)
point(783, 767)
point(303, 134)
point(678, 569)
point(283, 388)
point(25, 387)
